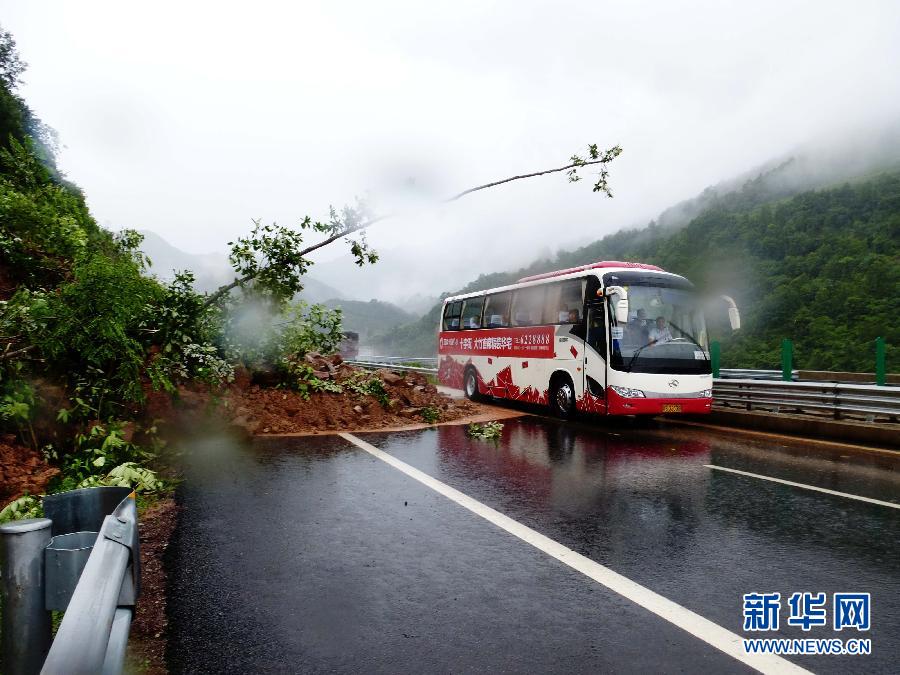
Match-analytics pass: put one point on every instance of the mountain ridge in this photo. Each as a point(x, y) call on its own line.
point(766, 231)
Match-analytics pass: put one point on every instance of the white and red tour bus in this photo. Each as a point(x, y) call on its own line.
point(611, 338)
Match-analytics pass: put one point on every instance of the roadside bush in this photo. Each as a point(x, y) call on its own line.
point(365, 384)
point(184, 333)
point(26, 506)
point(260, 334)
point(309, 328)
point(300, 376)
point(130, 474)
point(487, 431)
point(95, 332)
point(430, 414)
point(17, 406)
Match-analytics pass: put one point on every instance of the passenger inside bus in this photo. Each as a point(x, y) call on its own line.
point(573, 316)
point(523, 318)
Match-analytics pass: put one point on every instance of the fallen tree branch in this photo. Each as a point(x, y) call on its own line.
point(568, 167)
point(576, 163)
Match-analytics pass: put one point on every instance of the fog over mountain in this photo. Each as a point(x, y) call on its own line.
point(212, 270)
point(827, 162)
point(288, 108)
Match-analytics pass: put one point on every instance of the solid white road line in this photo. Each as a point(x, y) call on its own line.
point(804, 486)
point(704, 629)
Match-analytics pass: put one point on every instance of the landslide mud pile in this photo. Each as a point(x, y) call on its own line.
point(401, 399)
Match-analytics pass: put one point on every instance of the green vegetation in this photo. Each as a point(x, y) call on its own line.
point(430, 414)
point(821, 267)
point(489, 431)
point(363, 384)
point(86, 335)
point(26, 506)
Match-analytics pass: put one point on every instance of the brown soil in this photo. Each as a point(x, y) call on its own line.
point(480, 413)
point(21, 470)
point(257, 410)
point(147, 644)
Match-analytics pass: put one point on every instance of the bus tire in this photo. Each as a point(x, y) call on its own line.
point(562, 397)
point(470, 384)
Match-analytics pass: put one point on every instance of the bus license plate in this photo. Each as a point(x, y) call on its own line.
point(671, 407)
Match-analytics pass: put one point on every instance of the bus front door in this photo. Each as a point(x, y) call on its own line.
point(595, 352)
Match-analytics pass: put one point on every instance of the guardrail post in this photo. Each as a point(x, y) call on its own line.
point(880, 362)
point(836, 400)
point(26, 622)
point(715, 355)
point(787, 358)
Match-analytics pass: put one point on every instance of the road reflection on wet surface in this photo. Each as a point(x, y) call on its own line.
point(309, 554)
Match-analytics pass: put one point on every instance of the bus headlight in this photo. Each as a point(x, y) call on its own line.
point(627, 392)
point(706, 393)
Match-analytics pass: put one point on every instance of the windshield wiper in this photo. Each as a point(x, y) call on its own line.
point(635, 355)
point(690, 337)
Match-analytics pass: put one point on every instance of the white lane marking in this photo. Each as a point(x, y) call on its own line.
point(704, 629)
point(804, 486)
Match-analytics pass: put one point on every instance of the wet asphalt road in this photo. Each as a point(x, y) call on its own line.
point(311, 555)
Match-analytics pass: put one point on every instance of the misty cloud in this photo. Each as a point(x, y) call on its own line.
point(188, 119)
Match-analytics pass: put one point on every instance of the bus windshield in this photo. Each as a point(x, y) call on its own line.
point(665, 333)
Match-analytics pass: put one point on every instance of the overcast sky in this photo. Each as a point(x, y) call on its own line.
point(190, 118)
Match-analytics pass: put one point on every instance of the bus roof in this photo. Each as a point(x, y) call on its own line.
point(572, 273)
point(591, 266)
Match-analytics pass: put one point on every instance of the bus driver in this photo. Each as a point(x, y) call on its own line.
point(660, 333)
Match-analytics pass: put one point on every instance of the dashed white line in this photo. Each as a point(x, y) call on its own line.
point(698, 626)
point(804, 486)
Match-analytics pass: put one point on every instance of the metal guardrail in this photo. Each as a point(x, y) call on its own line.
point(377, 365)
point(425, 360)
point(78, 560)
point(750, 374)
point(765, 390)
point(871, 402)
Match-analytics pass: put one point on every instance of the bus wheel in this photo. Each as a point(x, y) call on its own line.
point(470, 385)
point(562, 397)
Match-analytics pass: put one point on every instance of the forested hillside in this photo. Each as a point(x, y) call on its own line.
point(96, 352)
point(369, 318)
point(821, 267)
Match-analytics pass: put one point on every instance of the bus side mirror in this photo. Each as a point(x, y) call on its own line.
point(621, 303)
point(734, 315)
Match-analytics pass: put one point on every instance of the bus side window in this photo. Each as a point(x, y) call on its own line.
point(471, 313)
point(496, 310)
point(551, 303)
point(451, 315)
point(565, 302)
point(528, 306)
